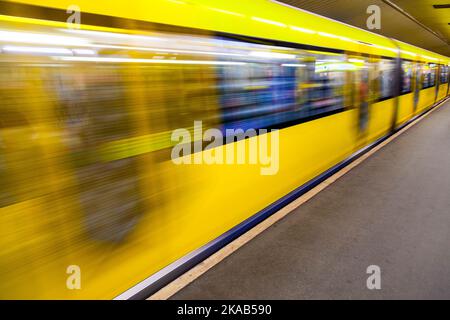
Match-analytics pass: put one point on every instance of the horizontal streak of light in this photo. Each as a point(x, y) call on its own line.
point(38, 38)
point(335, 67)
point(153, 61)
point(104, 34)
point(46, 65)
point(346, 39)
point(272, 55)
point(409, 53)
point(17, 49)
point(385, 48)
point(356, 60)
point(430, 58)
point(329, 35)
point(275, 23)
point(84, 51)
point(227, 12)
point(293, 65)
point(163, 50)
point(328, 61)
point(302, 30)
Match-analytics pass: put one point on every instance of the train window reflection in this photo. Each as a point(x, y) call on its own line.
point(326, 84)
point(429, 76)
point(407, 72)
point(258, 95)
point(444, 74)
point(387, 78)
point(266, 94)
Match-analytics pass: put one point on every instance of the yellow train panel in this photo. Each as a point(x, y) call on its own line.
point(442, 92)
point(427, 99)
point(406, 108)
point(257, 18)
point(381, 119)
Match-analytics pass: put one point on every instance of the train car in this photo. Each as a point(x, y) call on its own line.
point(93, 202)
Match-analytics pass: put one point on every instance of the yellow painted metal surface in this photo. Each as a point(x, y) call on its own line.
point(406, 108)
point(408, 51)
point(258, 18)
point(381, 118)
point(442, 91)
point(427, 98)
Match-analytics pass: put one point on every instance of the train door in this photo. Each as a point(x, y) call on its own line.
point(94, 113)
point(443, 79)
point(20, 151)
point(437, 71)
point(32, 221)
point(363, 91)
point(447, 71)
point(448, 79)
point(397, 88)
point(360, 91)
point(417, 84)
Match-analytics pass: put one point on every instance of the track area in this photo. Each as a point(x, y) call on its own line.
point(391, 211)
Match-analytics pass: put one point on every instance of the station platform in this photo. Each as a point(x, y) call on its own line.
point(392, 211)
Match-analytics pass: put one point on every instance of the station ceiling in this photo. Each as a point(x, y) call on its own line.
point(417, 22)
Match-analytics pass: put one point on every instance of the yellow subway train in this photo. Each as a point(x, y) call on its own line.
point(93, 202)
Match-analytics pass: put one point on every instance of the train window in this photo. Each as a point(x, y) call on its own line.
point(324, 84)
point(281, 88)
point(433, 68)
point(444, 74)
point(407, 73)
point(429, 76)
point(387, 78)
point(260, 94)
point(361, 93)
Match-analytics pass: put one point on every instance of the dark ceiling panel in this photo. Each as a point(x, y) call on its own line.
point(393, 23)
point(436, 19)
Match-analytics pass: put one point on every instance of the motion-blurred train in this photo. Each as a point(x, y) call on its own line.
point(91, 205)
